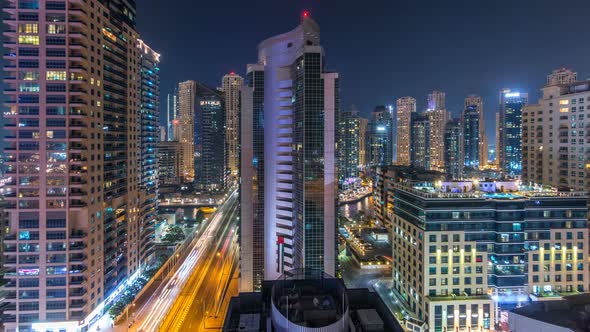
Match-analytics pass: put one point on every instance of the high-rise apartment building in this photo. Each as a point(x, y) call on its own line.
point(77, 118)
point(149, 140)
point(363, 132)
point(347, 146)
point(475, 104)
point(170, 163)
point(420, 128)
point(252, 242)
point(471, 136)
point(510, 132)
point(380, 137)
point(300, 104)
point(184, 131)
point(438, 117)
point(453, 147)
point(491, 246)
point(231, 86)
point(405, 107)
point(210, 148)
point(554, 136)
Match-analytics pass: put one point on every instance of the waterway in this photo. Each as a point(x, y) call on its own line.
point(349, 210)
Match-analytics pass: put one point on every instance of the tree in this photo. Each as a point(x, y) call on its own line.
point(174, 234)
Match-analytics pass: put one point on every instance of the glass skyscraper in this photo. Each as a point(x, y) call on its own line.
point(510, 131)
point(300, 103)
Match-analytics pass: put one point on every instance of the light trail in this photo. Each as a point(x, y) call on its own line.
point(171, 289)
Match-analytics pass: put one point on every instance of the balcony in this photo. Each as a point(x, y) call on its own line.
point(78, 234)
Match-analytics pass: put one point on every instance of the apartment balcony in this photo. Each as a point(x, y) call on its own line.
point(75, 203)
point(78, 304)
point(77, 234)
point(77, 246)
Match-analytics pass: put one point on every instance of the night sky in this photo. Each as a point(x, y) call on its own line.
point(384, 50)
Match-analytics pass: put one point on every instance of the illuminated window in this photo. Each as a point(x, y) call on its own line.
point(564, 109)
point(98, 82)
point(29, 87)
point(53, 75)
point(55, 29)
point(92, 80)
point(28, 40)
point(98, 103)
point(28, 28)
point(564, 102)
point(29, 75)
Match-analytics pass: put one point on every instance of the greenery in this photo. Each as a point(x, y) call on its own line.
point(129, 293)
point(174, 234)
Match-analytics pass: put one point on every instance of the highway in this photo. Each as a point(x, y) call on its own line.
point(221, 230)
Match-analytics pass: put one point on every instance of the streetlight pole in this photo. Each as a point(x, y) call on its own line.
point(127, 316)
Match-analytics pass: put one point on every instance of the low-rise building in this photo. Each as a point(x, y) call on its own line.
point(309, 301)
point(463, 250)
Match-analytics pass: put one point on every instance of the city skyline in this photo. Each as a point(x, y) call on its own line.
point(376, 73)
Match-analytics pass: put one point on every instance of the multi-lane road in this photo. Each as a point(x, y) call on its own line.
point(197, 288)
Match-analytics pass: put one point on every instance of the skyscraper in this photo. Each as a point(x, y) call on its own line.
point(437, 116)
point(171, 113)
point(510, 131)
point(472, 127)
point(420, 138)
point(436, 100)
point(300, 103)
point(149, 141)
point(170, 163)
point(252, 242)
point(405, 107)
point(77, 115)
point(185, 132)
point(554, 145)
point(231, 85)
point(210, 147)
point(363, 132)
point(347, 145)
point(380, 137)
point(476, 103)
point(454, 160)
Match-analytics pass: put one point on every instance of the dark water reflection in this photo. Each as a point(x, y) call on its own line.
point(350, 209)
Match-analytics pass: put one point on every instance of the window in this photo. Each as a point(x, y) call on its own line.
point(56, 75)
point(56, 29)
point(28, 40)
point(28, 28)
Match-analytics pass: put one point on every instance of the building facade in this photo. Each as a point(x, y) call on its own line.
point(510, 131)
point(347, 146)
point(380, 137)
point(252, 242)
point(170, 163)
point(77, 220)
point(438, 117)
point(171, 113)
point(363, 141)
point(475, 104)
point(184, 129)
point(149, 142)
point(420, 148)
point(210, 148)
point(471, 136)
point(554, 135)
point(453, 147)
point(405, 107)
point(231, 86)
point(300, 101)
point(463, 249)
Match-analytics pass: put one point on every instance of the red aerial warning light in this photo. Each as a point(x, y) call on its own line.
point(232, 72)
point(305, 14)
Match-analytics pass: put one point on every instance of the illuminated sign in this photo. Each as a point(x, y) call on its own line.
point(512, 94)
point(380, 128)
point(210, 103)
